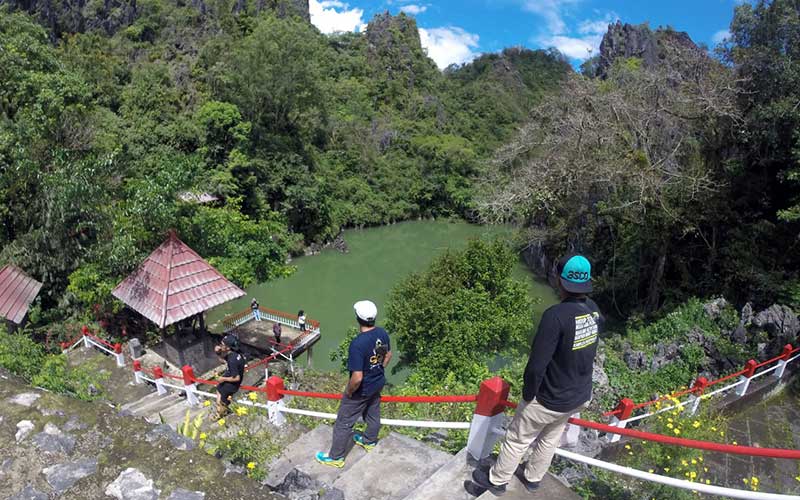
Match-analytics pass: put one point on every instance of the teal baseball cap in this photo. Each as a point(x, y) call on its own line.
point(575, 273)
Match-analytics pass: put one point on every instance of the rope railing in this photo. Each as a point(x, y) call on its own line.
point(237, 319)
point(626, 407)
point(276, 408)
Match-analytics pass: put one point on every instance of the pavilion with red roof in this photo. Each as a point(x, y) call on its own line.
point(174, 284)
point(17, 292)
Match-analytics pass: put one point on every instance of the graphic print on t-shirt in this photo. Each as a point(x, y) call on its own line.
point(378, 354)
point(585, 330)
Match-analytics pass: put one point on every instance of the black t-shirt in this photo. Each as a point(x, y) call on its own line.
point(235, 367)
point(559, 370)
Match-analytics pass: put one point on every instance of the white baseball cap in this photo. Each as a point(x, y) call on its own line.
point(366, 310)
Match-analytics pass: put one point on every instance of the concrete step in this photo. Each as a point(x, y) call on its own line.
point(550, 488)
point(300, 455)
point(147, 398)
point(157, 405)
point(447, 482)
point(403, 459)
point(176, 414)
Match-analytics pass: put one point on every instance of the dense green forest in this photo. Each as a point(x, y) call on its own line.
point(679, 176)
point(296, 134)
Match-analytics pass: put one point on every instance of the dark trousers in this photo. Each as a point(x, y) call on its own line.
point(369, 408)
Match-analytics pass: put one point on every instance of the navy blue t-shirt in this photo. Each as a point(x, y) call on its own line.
point(366, 354)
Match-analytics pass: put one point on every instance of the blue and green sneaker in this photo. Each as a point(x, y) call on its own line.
point(359, 440)
point(324, 459)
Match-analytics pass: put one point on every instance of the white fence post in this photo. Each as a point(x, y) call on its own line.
point(624, 410)
point(488, 417)
point(190, 386)
point(749, 371)
point(275, 401)
point(781, 369)
point(158, 375)
point(137, 372)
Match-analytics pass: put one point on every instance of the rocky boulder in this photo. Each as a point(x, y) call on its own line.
point(623, 41)
point(780, 322)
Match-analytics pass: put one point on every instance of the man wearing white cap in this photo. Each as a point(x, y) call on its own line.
point(367, 358)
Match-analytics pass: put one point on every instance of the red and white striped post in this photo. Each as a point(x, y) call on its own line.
point(486, 427)
point(158, 376)
point(624, 410)
point(191, 387)
point(696, 397)
point(275, 401)
point(749, 371)
point(85, 333)
point(785, 355)
point(118, 354)
point(137, 372)
point(64, 347)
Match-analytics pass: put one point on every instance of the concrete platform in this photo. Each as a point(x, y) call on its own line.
point(403, 459)
point(445, 483)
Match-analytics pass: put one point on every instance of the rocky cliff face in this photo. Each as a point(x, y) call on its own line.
point(53, 446)
point(628, 40)
point(110, 16)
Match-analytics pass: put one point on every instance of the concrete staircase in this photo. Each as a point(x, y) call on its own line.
point(399, 468)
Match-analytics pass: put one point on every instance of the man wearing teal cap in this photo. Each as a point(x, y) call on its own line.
point(557, 382)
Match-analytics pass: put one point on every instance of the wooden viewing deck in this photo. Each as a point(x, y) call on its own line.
point(257, 335)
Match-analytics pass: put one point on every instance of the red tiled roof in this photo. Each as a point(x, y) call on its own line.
point(17, 291)
point(174, 283)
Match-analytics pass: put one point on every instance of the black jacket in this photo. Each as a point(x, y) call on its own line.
point(559, 369)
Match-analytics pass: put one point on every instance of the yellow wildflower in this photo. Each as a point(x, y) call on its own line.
point(669, 420)
point(206, 403)
point(745, 480)
point(630, 453)
point(694, 462)
point(203, 435)
point(627, 447)
point(670, 426)
point(722, 433)
point(241, 432)
point(708, 481)
point(705, 469)
point(251, 465)
point(241, 410)
point(684, 463)
point(700, 458)
point(754, 480)
point(676, 431)
point(696, 424)
point(693, 474)
point(666, 469)
point(669, 457)
point(253, 396)
point(735, 443)
point(713, 429)
point(650, 471)
point(221, 421)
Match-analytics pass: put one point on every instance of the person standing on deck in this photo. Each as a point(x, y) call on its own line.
point(254, 307)
point(367, 358)
point(230, 381)
point(276, 330)
point(557, 383)
point(301, 320)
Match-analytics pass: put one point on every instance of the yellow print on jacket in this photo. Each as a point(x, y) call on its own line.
point(585, 330)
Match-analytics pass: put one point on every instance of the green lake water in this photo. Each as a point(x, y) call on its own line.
point(326, 285)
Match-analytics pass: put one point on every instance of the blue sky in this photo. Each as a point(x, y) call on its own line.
point(456, 31)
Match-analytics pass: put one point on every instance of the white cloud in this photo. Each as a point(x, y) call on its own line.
point(720, 36)
point(574, 48)
point(331, 16)
point(576, 42)
point(414, 9)
point(552, 12)
point(449, 45)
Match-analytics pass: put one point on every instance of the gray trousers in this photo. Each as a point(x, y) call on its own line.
point(369, 408)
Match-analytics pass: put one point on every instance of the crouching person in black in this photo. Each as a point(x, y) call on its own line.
point(230, 381)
